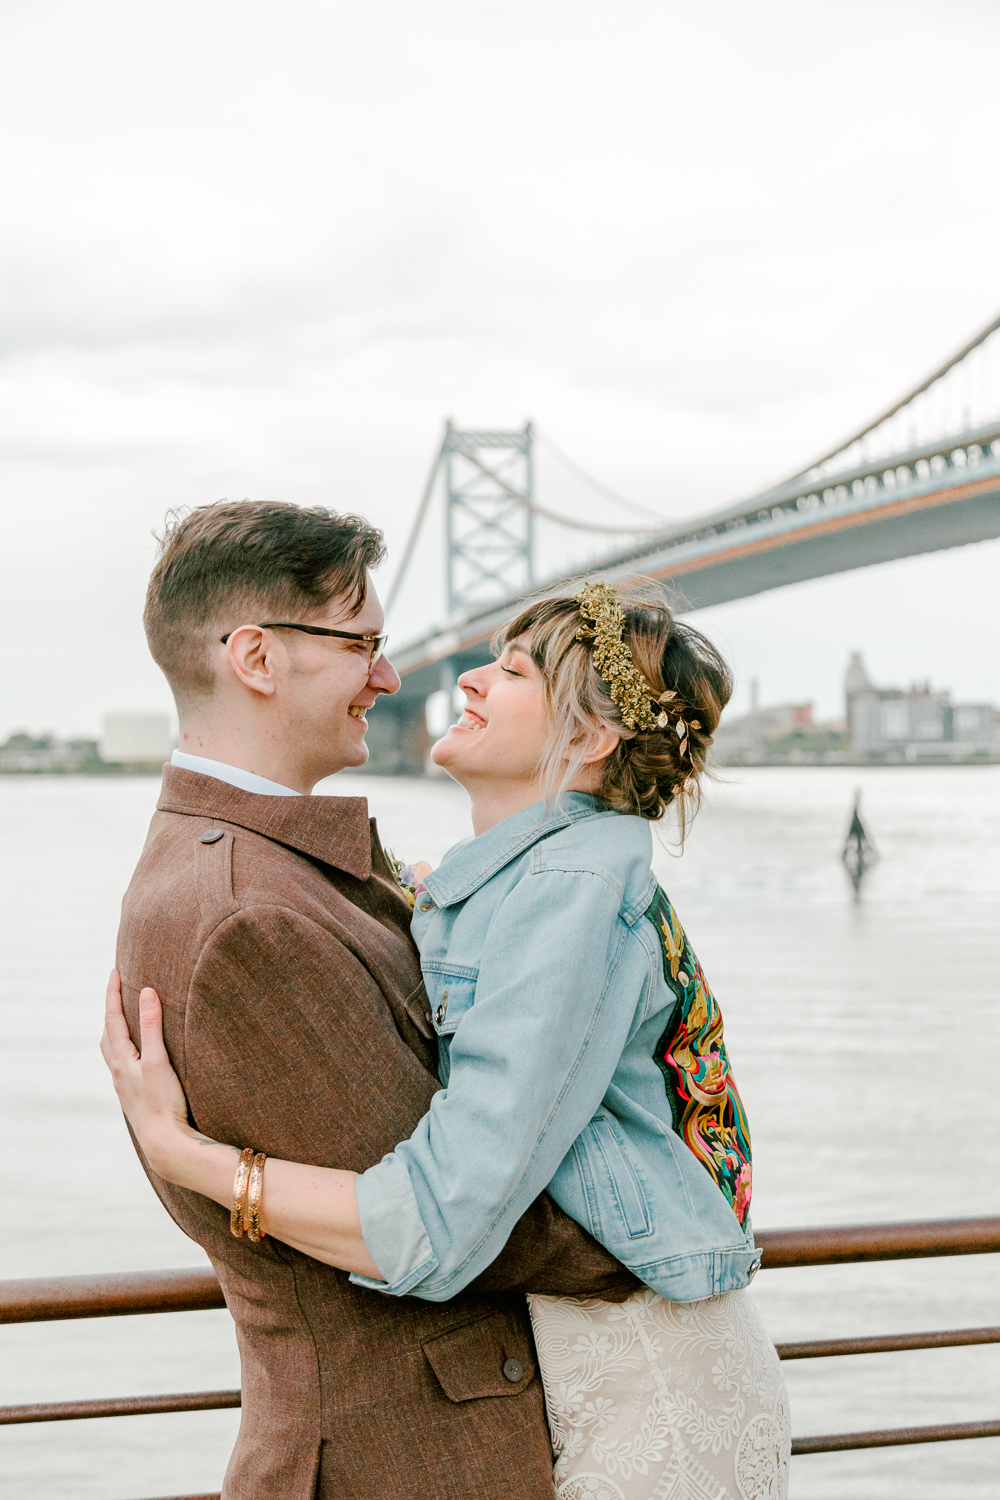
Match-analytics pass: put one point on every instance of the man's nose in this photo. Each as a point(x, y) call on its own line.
point(383, 677)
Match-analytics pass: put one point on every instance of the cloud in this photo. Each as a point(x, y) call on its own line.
point(251, 251)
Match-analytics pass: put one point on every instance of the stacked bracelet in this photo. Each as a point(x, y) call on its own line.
point(248, 1188)
point(240, 1192)
point(255, 1188)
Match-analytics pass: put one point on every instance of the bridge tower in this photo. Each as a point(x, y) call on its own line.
point(489, 488)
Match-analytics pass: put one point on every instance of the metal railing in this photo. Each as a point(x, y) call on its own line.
point(47, 1299)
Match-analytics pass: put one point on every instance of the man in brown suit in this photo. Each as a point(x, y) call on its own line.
point(271, 926)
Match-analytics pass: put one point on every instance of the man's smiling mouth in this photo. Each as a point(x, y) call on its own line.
point(358, 711)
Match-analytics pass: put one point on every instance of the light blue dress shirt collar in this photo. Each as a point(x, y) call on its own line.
point(247, 781)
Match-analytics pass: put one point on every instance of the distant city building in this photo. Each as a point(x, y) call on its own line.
point(136, 736)
point(24, 752)
point(134, 741)
point(856, 680)
point(915, 723)
point(782, 731)
point(880, 724)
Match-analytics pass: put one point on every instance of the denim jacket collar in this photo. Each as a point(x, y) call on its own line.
point(478, 860)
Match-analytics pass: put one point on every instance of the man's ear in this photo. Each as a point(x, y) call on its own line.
point(248, 655)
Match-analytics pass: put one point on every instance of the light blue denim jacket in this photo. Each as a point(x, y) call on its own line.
point(581, 1051)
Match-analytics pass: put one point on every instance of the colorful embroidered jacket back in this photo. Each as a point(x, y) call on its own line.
point(707, 1110)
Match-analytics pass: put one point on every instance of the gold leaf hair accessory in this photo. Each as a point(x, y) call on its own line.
point(598, 603)
point(681, 727)
point(638, 705)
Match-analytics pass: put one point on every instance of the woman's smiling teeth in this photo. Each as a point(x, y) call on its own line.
point(469, 720)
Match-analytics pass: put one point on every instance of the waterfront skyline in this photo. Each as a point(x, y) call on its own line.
point(752, 732)
point(878, 722)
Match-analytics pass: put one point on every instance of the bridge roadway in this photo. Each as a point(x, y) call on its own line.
point(944, 494)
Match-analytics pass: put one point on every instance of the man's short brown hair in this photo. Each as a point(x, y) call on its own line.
point(235, 563)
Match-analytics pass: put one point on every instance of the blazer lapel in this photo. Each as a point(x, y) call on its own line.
point(335, 830)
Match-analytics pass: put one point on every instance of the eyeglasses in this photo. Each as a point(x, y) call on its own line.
point(376, 642)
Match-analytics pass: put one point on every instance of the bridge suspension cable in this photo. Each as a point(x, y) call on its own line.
point(595, 484)
point(898, 406)
point(418, 521)
point(540, 510)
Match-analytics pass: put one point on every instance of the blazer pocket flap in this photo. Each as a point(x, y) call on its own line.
point(493, 1356)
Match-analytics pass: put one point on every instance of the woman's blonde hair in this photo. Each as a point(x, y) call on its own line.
point(648, 770)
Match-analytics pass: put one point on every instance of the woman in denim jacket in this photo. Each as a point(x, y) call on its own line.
point(581, 1051)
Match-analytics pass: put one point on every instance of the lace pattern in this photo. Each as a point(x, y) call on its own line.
point(657, 1400)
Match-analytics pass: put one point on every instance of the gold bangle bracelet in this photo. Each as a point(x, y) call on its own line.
point(255, 1190)
point(240, 1184)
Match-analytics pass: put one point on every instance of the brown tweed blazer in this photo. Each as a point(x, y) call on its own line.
point(295, 1015)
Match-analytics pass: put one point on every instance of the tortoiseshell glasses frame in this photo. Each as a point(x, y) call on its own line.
point(376, 642)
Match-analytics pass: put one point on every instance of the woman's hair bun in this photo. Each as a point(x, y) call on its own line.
point(650, 769)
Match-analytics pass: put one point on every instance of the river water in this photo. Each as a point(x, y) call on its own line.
point(865, 1035)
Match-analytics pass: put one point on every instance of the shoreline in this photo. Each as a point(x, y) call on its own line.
point(785, 763)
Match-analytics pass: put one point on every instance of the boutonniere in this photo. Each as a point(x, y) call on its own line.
point(404, 875)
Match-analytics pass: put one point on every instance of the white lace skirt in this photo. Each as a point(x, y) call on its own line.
point(657, 1400)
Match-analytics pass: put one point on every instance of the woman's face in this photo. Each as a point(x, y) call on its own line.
point(502, 733)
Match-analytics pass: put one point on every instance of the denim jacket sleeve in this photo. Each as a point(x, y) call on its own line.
point(531, 1060)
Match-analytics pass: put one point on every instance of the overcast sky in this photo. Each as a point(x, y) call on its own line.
point(258, 250)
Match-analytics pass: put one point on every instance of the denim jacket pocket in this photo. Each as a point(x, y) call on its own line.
point(610, 1178)
point(450, 994)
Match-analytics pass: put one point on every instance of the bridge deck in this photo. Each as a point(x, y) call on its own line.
point(922, 500)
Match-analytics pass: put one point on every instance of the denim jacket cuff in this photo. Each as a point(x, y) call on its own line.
point(393, 1230)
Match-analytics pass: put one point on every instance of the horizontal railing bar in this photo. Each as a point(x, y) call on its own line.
point(840, 1244)
point(133, 1406)
point(895, 1437)
point(119, 1406)
point(43, 1299)
point(47, 1298)
point(888, 1343)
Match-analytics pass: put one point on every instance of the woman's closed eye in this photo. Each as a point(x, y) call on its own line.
point(518, 664)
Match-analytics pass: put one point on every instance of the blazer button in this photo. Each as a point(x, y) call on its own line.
point(212, 836)
point(513, 1370)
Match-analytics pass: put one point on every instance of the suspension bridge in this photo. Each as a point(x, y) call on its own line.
point(921, 476)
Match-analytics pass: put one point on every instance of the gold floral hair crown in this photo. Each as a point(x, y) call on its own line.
point(639, 704)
